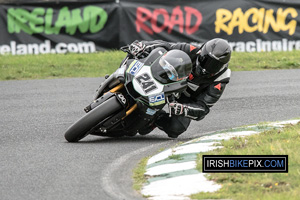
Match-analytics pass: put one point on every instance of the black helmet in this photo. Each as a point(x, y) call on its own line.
point(174, 65)
point(214, 56)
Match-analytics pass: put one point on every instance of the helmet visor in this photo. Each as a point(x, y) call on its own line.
point(169, 69)
point(173, 66)
point(163, 71)
point(210, 64)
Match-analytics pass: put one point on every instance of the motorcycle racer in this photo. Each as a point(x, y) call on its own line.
point(206, 83)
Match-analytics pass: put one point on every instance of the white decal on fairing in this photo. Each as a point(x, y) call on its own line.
point(145, 84)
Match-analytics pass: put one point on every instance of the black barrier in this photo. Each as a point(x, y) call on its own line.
point(83, 27)
point(247, 25)
point(58, 28)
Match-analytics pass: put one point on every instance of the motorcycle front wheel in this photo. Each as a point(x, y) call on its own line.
point(80, 129)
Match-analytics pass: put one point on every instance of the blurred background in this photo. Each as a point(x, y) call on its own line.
point(85, 26)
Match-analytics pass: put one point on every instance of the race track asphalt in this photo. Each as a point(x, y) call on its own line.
point(37, 162)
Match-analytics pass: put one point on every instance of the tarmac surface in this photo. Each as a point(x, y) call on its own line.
point(37, 163)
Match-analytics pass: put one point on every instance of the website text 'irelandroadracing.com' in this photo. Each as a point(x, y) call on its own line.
point(44, 48)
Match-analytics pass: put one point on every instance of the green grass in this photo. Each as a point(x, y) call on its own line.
point(265, 60)
point(59, 65)
point(175, 157)
point(138, 174)
point(20, 67)
point(259, 185)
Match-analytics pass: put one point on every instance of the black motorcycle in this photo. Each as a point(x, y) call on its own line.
point(132, 98)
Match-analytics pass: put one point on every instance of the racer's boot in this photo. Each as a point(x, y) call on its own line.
point(147, 130)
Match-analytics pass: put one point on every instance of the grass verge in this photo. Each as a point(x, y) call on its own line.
point(259, 185)
point(138, 174)
point(265, 60)
point(20, 67)
point(59, 65)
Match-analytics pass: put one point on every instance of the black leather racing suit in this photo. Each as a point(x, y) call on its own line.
point(201, 94)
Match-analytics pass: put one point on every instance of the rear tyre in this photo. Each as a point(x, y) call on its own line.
point(80, 129)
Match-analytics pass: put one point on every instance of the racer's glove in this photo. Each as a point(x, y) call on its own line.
point(196, 113)
point(137, 49)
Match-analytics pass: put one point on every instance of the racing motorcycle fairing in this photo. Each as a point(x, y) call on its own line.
point(141, 84)
point(128, 100)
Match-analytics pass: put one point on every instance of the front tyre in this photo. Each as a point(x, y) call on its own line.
point(80, 129)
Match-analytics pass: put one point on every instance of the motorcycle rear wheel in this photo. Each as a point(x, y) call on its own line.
point(80, 128)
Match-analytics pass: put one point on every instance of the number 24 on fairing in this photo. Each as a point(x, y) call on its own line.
point(146, 83)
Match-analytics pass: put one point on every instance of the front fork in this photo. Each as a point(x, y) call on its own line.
point(112, 92)
point(132, 108)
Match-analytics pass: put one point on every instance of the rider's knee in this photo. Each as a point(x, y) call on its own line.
point(175, 125)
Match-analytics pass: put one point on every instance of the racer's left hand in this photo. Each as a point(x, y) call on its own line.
point(137, 48)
